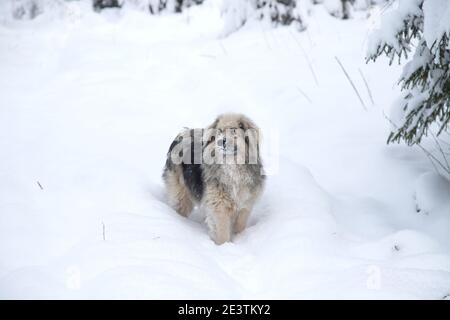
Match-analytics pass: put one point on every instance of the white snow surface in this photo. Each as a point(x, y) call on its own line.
point(436, 20)
point(89, 104)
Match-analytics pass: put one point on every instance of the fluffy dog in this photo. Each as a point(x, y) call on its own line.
point(218, 168)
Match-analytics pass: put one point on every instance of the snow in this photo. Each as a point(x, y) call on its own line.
point(90, 103)
point(334, 7)
point(435, 16)
point(392, 23)
point(431, 194)
point(235, 13)
point(436, 20)
point(422, 27)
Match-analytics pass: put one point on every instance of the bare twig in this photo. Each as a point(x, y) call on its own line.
point(432, 157)
point(305, 56)
point(351, 82)
point(445, 142)
point(440, 149)
point(39, 184)
point(265, 37)
point(104, 231)
point(223, 47)
point(309, 38)
point(387, 6)
point(304, 95)
point(367, 86)
point(431, 161)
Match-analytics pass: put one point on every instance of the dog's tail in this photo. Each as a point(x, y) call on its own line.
point(170, 164)
point(183, 172)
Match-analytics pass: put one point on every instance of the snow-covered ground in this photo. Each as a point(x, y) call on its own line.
point(90, 103)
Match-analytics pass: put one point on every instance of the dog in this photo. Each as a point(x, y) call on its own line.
point(218, 168)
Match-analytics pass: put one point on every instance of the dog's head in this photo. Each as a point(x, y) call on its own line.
point(233, 136)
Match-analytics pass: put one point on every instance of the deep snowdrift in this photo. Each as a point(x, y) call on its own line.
point(90, 103)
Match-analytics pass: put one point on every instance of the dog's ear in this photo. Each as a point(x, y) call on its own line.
point(245, 123)
point(252, 138)
point(250, 127)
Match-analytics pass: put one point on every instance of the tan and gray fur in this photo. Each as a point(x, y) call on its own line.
point(225, 181)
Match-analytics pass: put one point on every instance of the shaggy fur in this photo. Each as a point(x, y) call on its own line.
point(218, 168)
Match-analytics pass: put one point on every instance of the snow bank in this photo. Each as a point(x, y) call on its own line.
point(433, 194)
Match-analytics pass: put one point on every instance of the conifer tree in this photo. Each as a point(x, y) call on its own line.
point(420, 27)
